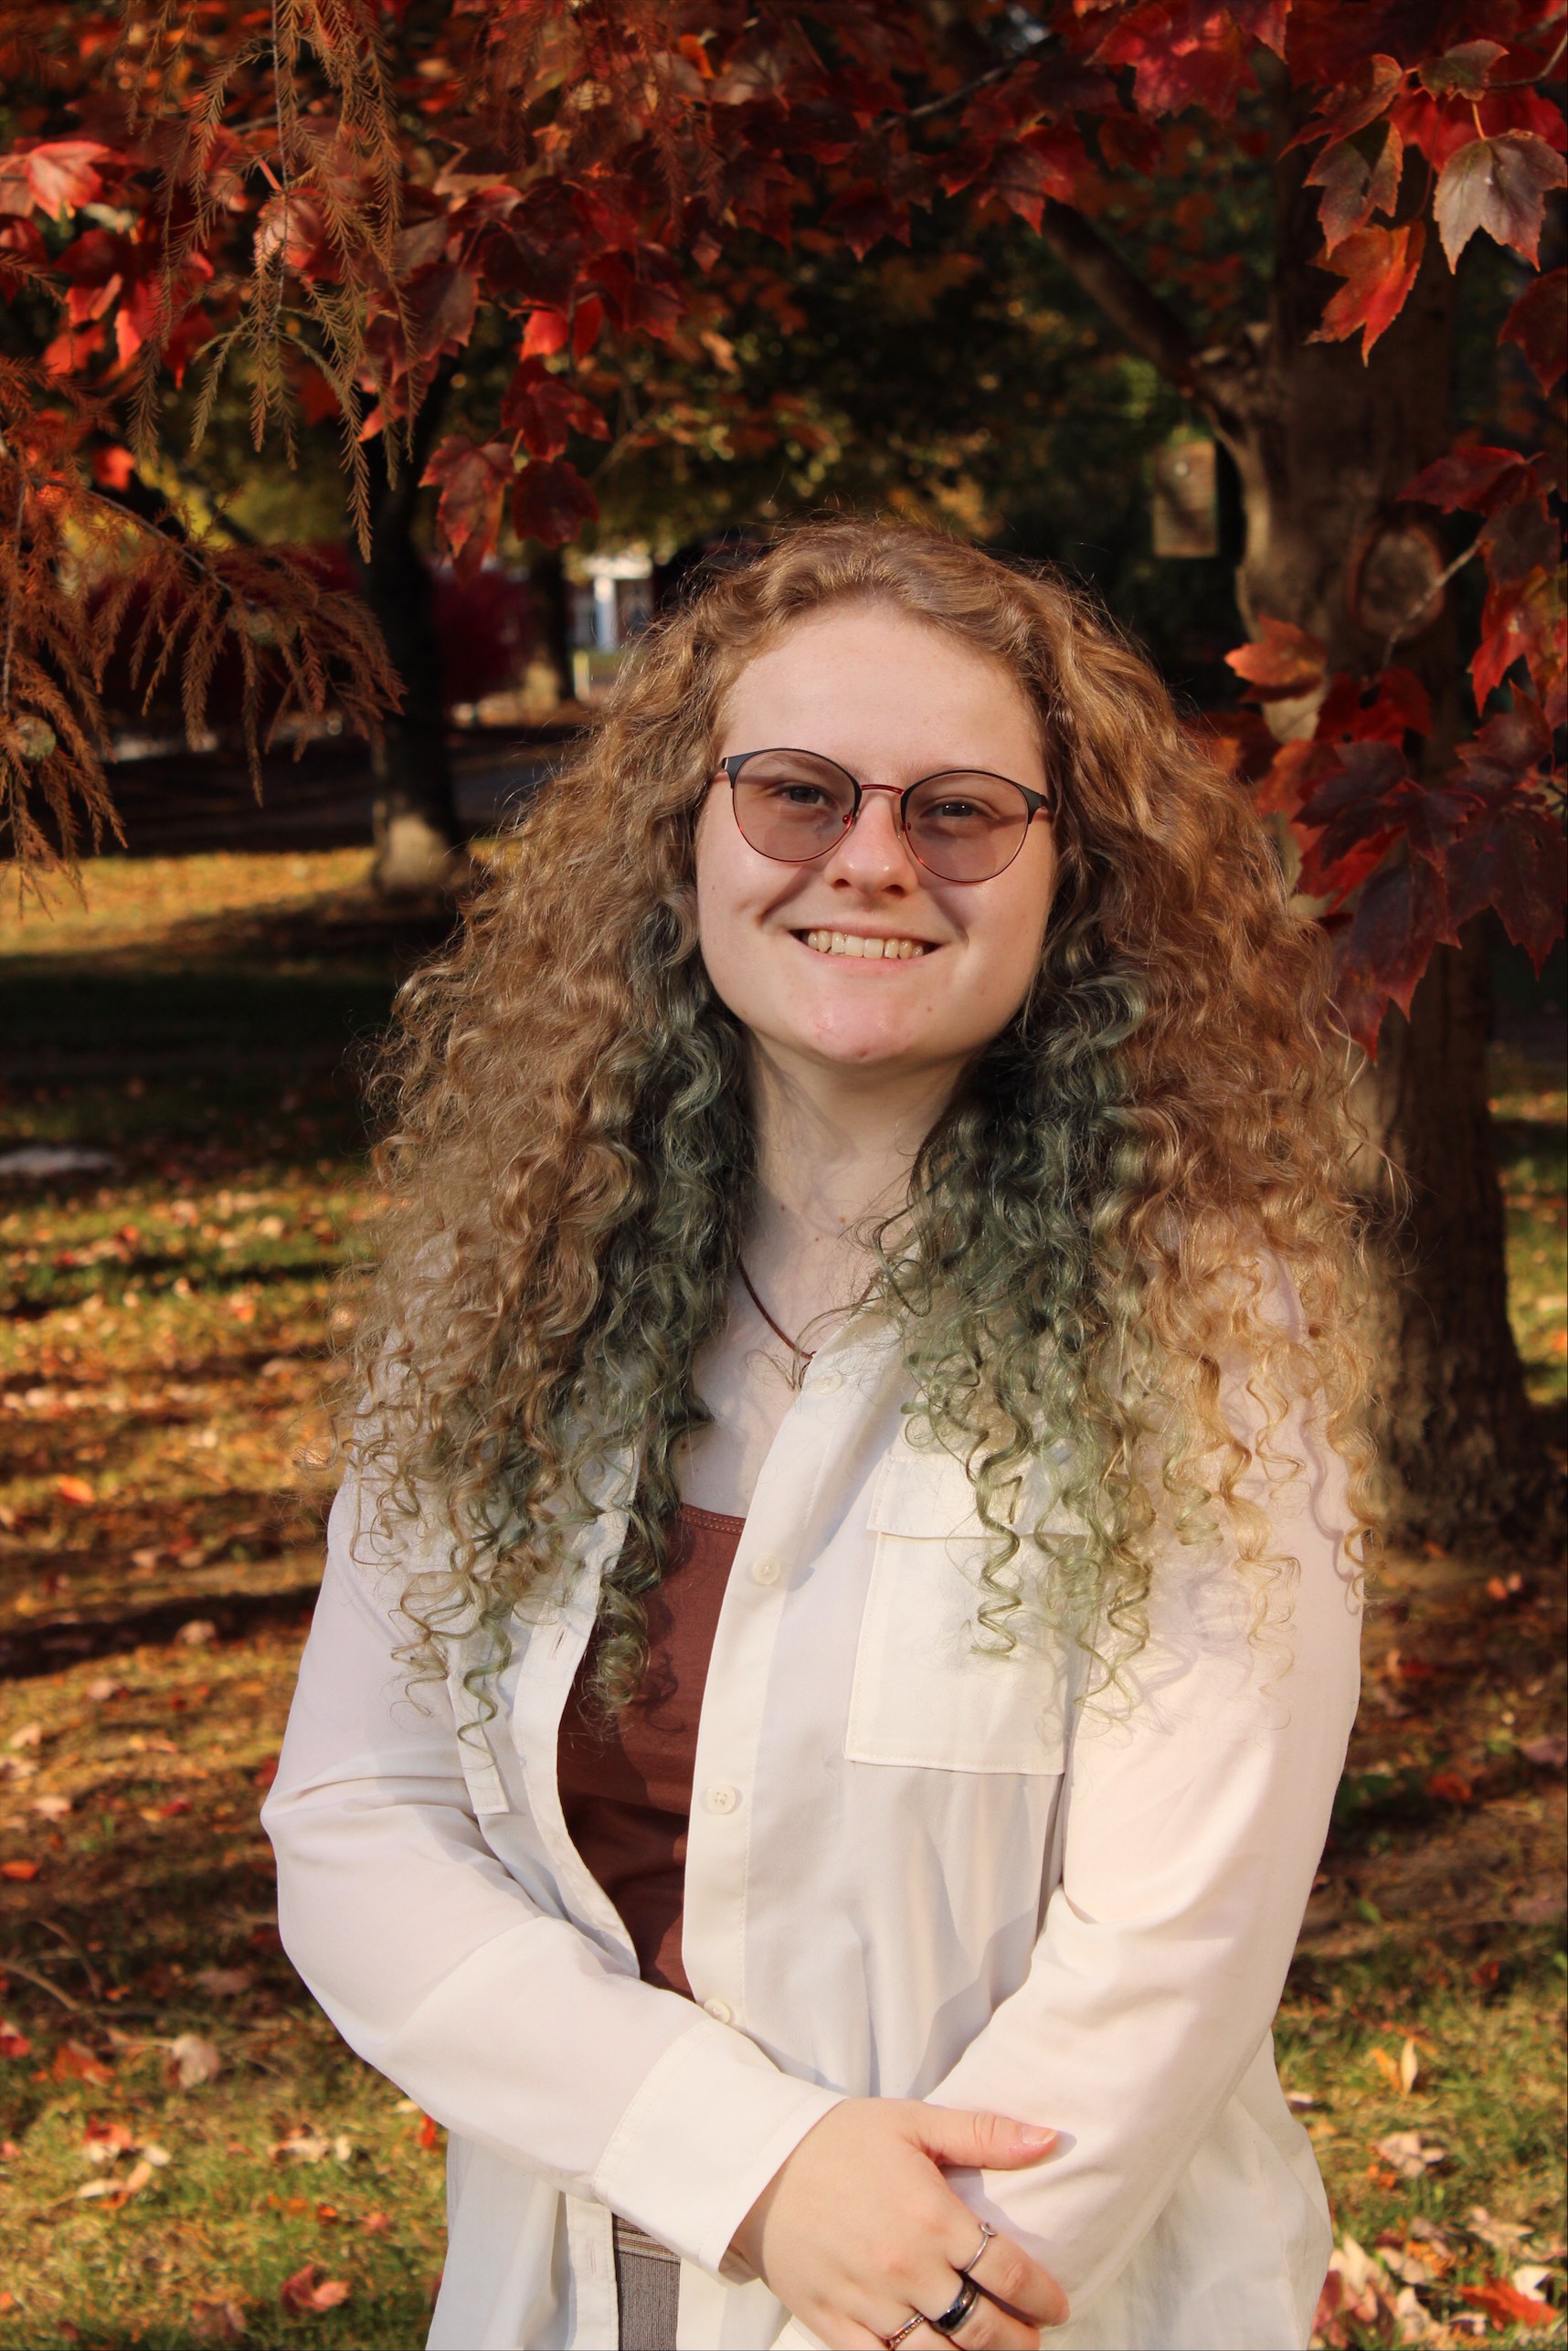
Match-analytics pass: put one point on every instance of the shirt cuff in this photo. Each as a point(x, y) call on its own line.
point(712, 2121)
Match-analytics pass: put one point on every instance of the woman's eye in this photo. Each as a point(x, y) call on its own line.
point(955, 812)
point(799, 795)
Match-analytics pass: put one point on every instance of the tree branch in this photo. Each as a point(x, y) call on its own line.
point(1143, 320)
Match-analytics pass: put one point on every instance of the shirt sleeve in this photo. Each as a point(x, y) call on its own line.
point(1194, 1810)
point(467, 1988)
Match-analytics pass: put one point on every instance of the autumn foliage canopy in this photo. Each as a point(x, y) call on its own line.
point(330, 201)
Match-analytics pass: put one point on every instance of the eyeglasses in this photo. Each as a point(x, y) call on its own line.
point(963, 824)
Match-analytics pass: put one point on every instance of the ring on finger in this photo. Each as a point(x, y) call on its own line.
point(917, 2318)
point(949, 2320)
point(986, 2233)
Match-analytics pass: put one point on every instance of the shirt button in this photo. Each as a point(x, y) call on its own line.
point(723, 1798)
point(827, 1382)
point(765, 1571)
point(720, 2011)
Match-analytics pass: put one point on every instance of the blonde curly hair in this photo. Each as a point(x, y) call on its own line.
point(1095, 1222)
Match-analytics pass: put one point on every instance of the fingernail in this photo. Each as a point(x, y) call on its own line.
point(1032, 2136)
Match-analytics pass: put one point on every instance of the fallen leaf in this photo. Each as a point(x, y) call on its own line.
point(1530, 2279)
point(1299, 2101)
point(1409, 2067)
point(102, 2141)
point(1549, 1754)
point(19, 1870)
point(302, 2145)
point(217, 2322)
point(328, 2215)
point(1502, 2236)
point(224, 1983)
point(1506, 2307)
point(428, 2132)
point(197, 2061)
point(197, 1633)
point(1450, 1787)
point(14, 2043)
point(310, 2291)
point(52, 1807)
point(1409, 2154)
point(29, 1736)
point(74, 2061)
point(121, 2189)
point(375, 2224)
point(1539, 1909)
point(74, 1489)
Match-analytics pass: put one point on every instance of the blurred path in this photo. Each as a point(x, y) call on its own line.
point(180, 803)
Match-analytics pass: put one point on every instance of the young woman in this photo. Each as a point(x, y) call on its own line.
point(840, 1633)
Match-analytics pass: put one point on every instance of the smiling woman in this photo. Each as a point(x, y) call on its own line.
point(859, 1467)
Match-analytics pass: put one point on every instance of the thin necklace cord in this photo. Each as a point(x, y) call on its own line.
point(804, 1354)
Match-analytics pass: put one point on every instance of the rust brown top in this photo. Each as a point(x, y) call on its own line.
point(626, 1785)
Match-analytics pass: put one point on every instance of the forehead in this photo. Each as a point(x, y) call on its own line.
point(890, 696)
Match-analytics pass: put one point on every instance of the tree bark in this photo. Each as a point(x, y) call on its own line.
point(1323, 443)
point(415, 823)
point(1467, 1455)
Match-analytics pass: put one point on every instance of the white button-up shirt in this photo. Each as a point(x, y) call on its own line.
point(914, 1871)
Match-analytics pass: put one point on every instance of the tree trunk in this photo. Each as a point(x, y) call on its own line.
point(1323, 443)
point(415, 822)
point(547, 578)
point(1457, 1430)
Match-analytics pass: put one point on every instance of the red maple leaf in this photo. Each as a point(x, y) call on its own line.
point(1461, 72)
point(1524, 622)
point(551, 502)
point(309, 2290)
point(1385, 943)
point(1515, 861)
point(1499, 185)
point(1379, 267)
point(1538, 322)
point(1472, 476)
point(473, 483)
point(544, 410)
point(60, 175)
point(1284, 660)
point(865, 214)
point(1358, 176)
point(1357, 100)
point(1182, 52)
point(1506, 2307)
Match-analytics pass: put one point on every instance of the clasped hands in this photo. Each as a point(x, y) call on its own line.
point(858, 2230)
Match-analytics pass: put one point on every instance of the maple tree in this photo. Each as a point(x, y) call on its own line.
point(455, 238)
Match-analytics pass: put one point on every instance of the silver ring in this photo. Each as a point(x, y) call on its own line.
point(893, 2341)
point(958, 2309)
point(986, 2233)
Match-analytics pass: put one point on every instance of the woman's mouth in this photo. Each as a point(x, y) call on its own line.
point(870, 950)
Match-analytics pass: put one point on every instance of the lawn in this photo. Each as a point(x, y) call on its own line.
point(190, 2155)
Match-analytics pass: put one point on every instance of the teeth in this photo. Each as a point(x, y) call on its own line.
point(884, 950)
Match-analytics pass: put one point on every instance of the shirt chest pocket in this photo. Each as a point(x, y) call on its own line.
point(923, 1693)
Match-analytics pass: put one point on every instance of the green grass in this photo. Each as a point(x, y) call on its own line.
point(164, 1361)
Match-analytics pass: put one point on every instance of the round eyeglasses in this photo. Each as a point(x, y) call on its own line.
point(962, 824)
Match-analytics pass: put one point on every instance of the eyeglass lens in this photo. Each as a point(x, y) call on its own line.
point(962, 827)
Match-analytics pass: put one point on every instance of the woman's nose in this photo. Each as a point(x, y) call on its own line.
point(874, 853)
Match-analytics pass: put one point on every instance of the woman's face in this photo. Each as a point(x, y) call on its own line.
point(892, 699)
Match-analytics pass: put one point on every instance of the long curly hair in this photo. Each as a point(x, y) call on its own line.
point(1095, 1222)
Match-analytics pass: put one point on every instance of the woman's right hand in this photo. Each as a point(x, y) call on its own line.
point(858, 2229)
